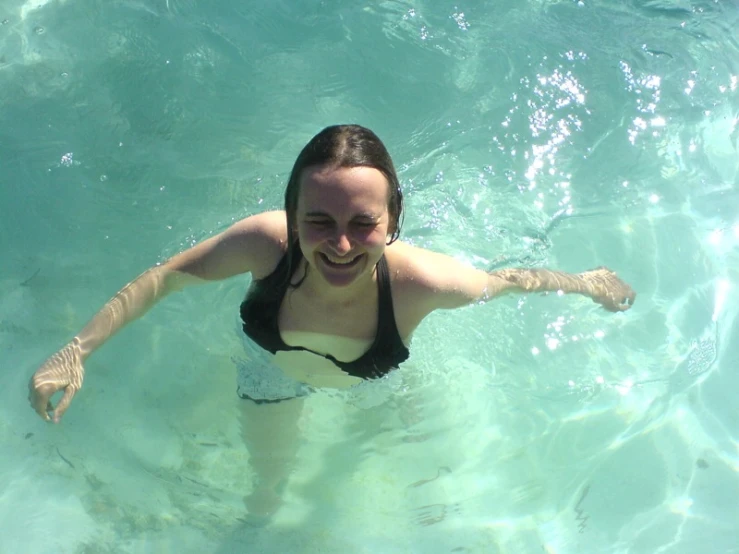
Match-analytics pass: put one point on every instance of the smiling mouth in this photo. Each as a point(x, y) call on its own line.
point(340, 262)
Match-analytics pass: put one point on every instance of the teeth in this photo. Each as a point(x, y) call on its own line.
point(339, 261)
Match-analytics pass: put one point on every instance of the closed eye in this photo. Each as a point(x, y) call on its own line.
point(320, 222)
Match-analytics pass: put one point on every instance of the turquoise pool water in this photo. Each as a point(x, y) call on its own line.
point(548, 133)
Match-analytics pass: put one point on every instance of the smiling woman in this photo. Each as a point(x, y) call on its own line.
point(335, 297)
point(343, 221)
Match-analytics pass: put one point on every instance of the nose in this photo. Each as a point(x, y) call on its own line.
point(341, 243)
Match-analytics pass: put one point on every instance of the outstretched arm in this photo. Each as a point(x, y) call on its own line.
point(601, 284)
point(252, 245)
point(426, 281)
point(64, 370)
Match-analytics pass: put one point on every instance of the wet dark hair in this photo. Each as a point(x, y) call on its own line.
point(343, 146)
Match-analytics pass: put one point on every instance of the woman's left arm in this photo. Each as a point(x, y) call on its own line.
point(601, 284)
point(429, 281)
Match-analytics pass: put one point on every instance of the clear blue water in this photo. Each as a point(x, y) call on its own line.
point(560, 134)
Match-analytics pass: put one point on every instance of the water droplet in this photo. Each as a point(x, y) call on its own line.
point(64, 74)
point(103, 178)
point(6, 21)
point(39, 30)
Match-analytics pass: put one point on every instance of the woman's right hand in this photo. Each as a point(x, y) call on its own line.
point(62, 371)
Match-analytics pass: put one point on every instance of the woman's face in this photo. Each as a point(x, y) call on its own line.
point(343, 221)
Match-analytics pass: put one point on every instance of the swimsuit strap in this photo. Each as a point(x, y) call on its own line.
point(385, 313)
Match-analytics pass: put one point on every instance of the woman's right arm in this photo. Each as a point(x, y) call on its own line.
point(253, 245)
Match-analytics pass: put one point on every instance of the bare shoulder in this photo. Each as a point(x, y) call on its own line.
point(270, 225)
point(253, 245)
point(412, 267)
point(260, 239)
point(269, 228)
point(426, 271)
point(423, 281)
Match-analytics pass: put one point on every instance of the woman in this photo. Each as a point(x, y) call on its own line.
point(335, 297)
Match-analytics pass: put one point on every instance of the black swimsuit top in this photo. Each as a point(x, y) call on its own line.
point(260, 310)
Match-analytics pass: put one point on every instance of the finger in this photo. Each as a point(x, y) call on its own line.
point(628, 300)
point(63, 404)
point(618, 304)
point(39, 403)
point(44, 415)
point(609, 304)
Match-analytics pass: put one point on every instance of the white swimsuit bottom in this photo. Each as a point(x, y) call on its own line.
point(260, 380)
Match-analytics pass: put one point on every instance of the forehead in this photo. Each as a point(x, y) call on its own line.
point(344, 188)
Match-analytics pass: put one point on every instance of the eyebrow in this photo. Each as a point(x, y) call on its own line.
point(361, 215)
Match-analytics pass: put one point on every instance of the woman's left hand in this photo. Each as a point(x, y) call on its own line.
point(607, 289)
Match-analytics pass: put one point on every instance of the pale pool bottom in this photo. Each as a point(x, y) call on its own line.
point(435, 458)
point(467, 473)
